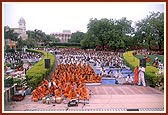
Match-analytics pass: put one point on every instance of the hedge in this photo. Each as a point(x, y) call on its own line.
point(64, 44)
point(38, 72)
point(150, 71)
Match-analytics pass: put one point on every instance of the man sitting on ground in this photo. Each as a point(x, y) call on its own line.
point(129, 80)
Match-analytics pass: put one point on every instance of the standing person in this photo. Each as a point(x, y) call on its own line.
point(136, 75)
point(141, 75)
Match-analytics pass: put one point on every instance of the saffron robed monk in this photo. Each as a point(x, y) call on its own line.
point(68, 81)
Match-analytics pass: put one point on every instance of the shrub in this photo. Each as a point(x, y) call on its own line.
point(130, 59)
point(64, 44)
point(38, 72)
point(150, 71)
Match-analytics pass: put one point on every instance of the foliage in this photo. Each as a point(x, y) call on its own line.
point(36, 74)
point(150, 30)
point(108, 32)
point(8, 81)
point(87, 42)
point(159, 79)
point(10, 34)
point(77, 37)
point(152, 57)
point(63, 44)
point(132, 62)
point(150, 74)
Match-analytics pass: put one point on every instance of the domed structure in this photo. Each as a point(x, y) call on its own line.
point(22, 20)
point(21, 30)
point(22, 24)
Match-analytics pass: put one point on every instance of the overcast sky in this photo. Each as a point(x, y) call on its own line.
point(56, 17)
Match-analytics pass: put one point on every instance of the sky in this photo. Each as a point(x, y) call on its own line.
point(58, 16)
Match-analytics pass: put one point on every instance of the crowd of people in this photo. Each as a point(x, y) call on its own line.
point(147, 52)
point(73, 71)
point(98, 58)
point(68, 81)
point(16, 59)
point(70, 77)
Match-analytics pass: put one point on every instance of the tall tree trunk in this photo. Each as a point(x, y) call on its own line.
point(149, 45)
point(160, 46)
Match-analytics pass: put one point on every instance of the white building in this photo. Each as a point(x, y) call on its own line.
point(64, 36)
point(21, 30)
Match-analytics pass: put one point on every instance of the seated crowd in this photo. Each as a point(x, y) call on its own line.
point(68, 81)
point(16, 59)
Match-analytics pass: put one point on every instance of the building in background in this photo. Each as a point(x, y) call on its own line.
point(21, 30)
point(64, 36)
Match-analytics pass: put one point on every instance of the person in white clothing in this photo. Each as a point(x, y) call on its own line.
point(141, 75)
point(129, 79)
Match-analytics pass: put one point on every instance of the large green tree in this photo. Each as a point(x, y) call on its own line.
point(109, 32)
point(10, 34)
point(151, 29)
point(121, 34)
point(88, 42)
point(77, 37)
point(36, 36)
point(99, 31)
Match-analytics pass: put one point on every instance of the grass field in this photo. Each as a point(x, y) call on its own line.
point(160, 57)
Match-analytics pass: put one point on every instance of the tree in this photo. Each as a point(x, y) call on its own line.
point(88, 42)
point(77, 37)
point(157, 22)
point(99, 30)
point(51, 38)
point(151, 28)
point(124, 26)
point(37, 36)
point(121, 33)
point(10, 34)
point(109, 32)
point(20, 43)
point(30, 43)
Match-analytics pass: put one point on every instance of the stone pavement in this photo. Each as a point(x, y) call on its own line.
point(104, 98)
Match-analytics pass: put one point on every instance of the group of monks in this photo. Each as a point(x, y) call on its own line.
point(68, 81)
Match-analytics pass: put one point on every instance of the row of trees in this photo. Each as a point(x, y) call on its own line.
point(120, 34)
point(35, 38)
point(106, 33)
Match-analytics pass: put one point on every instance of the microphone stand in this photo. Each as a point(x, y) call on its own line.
point(83, 104)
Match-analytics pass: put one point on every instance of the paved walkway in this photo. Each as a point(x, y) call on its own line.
point(106, 98)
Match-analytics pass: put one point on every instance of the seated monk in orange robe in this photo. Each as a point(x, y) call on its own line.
point(83, 93)
point(58, 92)
point(98, 79)
point(35, 94)
point(72, 94)
point(67, 89)
point(79, 86)
point(47, 92)
point(45, 82)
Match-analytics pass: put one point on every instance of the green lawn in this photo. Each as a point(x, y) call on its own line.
point(160, 57)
